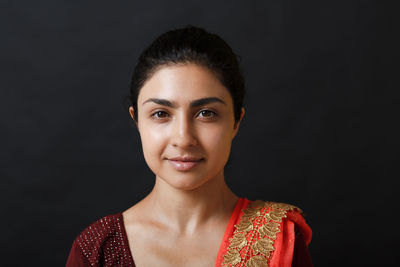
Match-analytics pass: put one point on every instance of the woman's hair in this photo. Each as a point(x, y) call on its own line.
point(191, 45)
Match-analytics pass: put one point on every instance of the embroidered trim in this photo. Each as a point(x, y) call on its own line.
point(254, 236)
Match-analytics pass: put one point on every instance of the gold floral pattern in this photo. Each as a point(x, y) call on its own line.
point(252, 243)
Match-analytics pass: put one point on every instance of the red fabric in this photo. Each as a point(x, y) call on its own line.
point(235, 218)
point(300, 222)
point(284, 246)
point(301, 256)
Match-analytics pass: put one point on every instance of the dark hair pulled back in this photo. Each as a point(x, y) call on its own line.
point(191, 45)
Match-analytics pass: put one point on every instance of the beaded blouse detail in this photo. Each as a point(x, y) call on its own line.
point(252, 243)
point(103, 243)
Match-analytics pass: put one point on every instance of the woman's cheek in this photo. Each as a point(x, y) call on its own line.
point(220, 141)
point(153, 140)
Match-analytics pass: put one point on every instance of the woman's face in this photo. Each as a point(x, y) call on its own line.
point(186, 124)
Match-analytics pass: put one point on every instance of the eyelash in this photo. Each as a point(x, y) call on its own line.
point(208, 111)
point(158, 112)
point(154, 115)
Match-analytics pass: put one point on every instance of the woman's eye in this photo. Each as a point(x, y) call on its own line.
point(207, 113)
point(160, 114)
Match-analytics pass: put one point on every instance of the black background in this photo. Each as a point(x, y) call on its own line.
point(320, 131)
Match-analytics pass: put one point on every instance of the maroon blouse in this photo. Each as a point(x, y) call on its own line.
point(103, 243)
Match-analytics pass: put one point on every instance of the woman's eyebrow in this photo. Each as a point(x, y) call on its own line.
point(205, 101)
point(159, 101)
point(194, 103)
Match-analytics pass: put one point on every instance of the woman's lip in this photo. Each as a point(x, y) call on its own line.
point(180, 165)
point(185, 159)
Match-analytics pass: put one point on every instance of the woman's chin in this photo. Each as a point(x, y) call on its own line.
point(185, 182)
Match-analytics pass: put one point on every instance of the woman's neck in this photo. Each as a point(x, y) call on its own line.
point(187, 211)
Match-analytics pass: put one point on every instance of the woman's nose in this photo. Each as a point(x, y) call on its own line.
point(183, 133)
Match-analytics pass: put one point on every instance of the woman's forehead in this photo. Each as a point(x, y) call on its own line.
point(185, 82)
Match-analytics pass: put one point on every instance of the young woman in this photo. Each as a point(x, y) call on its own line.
point(187, 102)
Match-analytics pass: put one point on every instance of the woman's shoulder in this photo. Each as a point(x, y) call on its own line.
point(273, 216)
point(275, 210)
point(103, 240)
point(105, 228)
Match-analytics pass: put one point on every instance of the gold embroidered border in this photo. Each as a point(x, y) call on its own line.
point(260, 219)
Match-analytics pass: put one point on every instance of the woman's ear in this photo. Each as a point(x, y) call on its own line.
point(132, 113)
point(237, 123)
